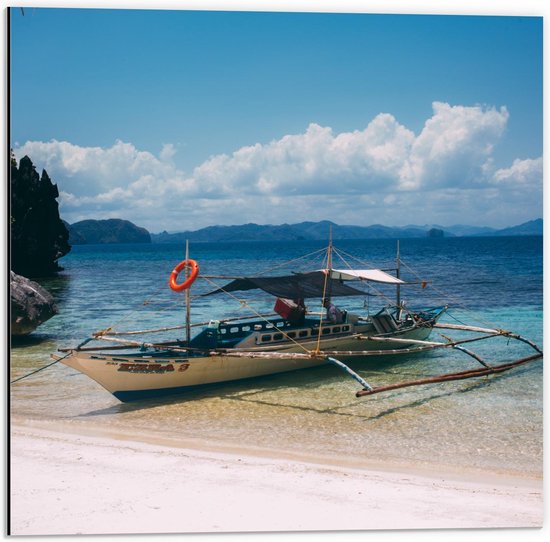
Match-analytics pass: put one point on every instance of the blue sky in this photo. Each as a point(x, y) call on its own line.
point(181, 119)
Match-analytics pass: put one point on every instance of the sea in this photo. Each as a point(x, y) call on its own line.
point(489, 424)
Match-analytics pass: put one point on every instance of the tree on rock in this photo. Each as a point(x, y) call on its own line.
point(38, 236)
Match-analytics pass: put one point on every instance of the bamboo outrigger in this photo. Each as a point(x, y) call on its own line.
point(291, 338)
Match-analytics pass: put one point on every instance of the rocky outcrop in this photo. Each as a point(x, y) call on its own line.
point(31, 305)
point(38, 236)
point(75, 238)
point(435, 233)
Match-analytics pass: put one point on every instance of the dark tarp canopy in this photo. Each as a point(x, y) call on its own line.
point(298, 286)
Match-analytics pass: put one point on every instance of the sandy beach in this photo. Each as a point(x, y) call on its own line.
point(67, 483)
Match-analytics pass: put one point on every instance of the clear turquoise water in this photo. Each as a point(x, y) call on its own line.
point(491, 423)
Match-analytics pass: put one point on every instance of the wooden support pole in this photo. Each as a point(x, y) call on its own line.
point(469, 328)
point(129, 343)
point(350, 371)
point(451, 376)
point(472, 354)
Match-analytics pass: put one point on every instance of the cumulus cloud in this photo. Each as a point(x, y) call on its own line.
point(315, 162)
point(377, 174)
point(167, 153)
point(88, 171)
point(522, 173)
point(454, 146)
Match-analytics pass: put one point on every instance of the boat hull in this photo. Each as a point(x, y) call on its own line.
point(134, 377)
point(131, 380)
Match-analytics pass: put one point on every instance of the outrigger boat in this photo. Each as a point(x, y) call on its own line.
point(292, 338)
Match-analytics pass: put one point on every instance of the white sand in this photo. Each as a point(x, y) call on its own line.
point(63, 483)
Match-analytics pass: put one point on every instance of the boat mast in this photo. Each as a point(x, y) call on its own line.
point(329, 254)
point(398, 261)
point(187, 298)
point(326, 288)
point(329, 261)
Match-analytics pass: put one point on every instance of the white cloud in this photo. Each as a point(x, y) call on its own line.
point(383, 173)
point(315, 162)
point(522, 173)
point(454, 146)
point(167, 153)
point(92, 170)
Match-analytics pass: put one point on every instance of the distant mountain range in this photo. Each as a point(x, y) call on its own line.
point(319, 231)
point(115, 230)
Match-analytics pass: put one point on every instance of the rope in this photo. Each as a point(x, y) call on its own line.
point(50, 364)
point(379, 292)
point(171, 303)
point(455, 300)
point(284, 264)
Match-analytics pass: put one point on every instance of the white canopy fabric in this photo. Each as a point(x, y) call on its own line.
point(374, 275)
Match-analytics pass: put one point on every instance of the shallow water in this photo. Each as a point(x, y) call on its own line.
point(492, 423)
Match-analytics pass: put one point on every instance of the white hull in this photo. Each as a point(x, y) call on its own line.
point(133, 377)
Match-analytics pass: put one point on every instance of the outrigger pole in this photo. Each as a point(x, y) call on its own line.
point(482, 371)
point(351, 372)
point(420, 346)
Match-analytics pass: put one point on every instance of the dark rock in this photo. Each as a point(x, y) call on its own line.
point(435, 232)
point(31, 305)
point(38, 236)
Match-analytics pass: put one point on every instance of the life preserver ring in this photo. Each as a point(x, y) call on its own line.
point(190, 279)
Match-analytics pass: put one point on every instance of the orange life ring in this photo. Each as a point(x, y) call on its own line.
point(190, 279)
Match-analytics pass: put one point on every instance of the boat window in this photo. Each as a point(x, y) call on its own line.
point(257, 327)
point(336, 329)
point(266, 338)
point(291, 334)
point(326, 331)
point(223, 330)
point(278, 337)
point(245, 328)
point(303, 333)
point(234, 330)
point(345, 328)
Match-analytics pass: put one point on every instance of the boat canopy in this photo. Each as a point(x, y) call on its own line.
point(372, 275)
point(308, 285)
point(297, 286)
